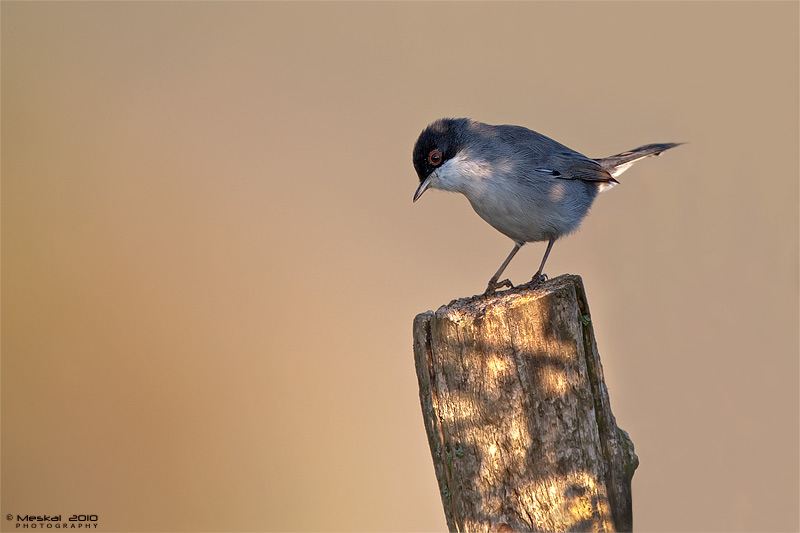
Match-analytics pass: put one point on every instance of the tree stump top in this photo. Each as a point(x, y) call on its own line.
point(520, 295)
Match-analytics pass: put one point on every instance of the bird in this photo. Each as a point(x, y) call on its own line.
point(526, 185)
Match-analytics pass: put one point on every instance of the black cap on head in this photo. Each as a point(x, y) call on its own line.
point(443, 136)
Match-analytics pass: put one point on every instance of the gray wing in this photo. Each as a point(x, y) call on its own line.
point(553, 158)
point(587, 170)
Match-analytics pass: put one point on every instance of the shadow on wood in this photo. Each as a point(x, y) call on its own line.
point(518, 416)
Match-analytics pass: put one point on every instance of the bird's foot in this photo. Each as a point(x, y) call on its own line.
point(537, 279)
point(494, 285)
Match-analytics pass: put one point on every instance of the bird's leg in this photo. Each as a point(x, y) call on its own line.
point(493, 283)
point(539, 277)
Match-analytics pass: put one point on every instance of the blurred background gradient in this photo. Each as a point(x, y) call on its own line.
point(211, 261)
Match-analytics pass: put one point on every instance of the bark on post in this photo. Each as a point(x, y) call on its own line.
point(518, 416)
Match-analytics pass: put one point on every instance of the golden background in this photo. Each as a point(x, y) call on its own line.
point(211, 261)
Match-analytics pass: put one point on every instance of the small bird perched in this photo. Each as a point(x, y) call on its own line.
point(525, 185)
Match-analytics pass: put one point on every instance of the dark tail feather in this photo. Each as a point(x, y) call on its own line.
point(617, 164)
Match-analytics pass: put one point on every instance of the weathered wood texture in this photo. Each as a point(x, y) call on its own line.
point(518, 416)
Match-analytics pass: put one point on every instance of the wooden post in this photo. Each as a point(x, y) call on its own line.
point(517, 414)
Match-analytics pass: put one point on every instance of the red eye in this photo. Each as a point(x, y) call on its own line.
point(435, 157)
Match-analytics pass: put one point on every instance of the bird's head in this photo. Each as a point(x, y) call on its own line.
point(434, 151)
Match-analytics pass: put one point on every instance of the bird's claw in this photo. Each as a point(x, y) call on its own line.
point(494, 285)
point(537, 279)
